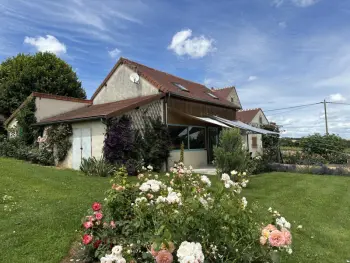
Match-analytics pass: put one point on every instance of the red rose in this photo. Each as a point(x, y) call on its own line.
point(87, 239)
point(98, 216)
point(96, 206)
point(97, 243)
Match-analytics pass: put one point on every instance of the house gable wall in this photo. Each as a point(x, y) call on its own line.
point(256, 119)
point(233, 94)
point(46, 108)
point(119, 87)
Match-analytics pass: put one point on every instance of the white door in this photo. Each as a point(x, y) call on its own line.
point(81, 146)
point(86, 143)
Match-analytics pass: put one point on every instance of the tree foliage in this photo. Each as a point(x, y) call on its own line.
point(324, 145)
point(42, 72)
point(25, 120)
point(270, 142)
point(230, 154)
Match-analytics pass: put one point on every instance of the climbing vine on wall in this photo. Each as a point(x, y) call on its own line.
point(25, 121)
point(58, 139)
point(271, 143)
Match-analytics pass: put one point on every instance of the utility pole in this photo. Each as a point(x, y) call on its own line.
point(325, 116)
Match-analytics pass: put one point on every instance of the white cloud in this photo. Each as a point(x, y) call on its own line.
point(252, 78)
point(304, 3)
point(282, 24)
point(195, 47)
point(114, 53)
point(277, 3)
point(299, 3)
point(48, 43)
point(337, 97)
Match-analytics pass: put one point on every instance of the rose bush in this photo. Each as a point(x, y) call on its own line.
point(179, 217)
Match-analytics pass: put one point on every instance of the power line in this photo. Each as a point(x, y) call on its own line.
point(294, 107)
point(340, 103)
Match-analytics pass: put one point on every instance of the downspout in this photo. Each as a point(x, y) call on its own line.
point(248, 143)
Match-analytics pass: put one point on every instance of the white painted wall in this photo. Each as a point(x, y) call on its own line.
point(256, 119)
point(233, 94)
point(119, 87)
point(197, 158)
point(46, 108)
point(98, 130)
point(255, 151)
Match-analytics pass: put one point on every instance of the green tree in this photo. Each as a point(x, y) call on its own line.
point(43, 72)
point(323, 145)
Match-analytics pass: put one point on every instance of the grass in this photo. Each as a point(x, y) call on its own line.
point(321, 204)
point(50, 205)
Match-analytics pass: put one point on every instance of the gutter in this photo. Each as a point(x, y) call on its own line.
point(71, 120)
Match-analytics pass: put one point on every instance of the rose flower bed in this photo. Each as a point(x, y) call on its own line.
point(180, 218)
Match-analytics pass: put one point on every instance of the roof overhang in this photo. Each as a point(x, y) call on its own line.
point(204, 101)
point(243, 126)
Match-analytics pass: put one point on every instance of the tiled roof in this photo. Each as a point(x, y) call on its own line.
point(47, 96)
point(165, 83)
point(57, 97)
point(106, 110)
point(247, 116)
point(223, 92)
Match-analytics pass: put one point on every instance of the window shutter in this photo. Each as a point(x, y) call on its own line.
point(254, 142)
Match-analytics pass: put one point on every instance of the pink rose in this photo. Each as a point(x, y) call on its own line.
point(164, 256)
point(277, 239)
point(263, 240)
point(287, 237)
point(98, 216)
point(90, 218)
point(270, 227)
point(154, 252)
point(112, 224)
point(88, 224)
point(87, 239)
point(96, 206)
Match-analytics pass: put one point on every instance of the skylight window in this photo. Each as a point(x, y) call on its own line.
point(181, 87)
point(212, 95)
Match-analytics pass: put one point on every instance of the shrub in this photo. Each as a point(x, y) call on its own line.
point(157, 143)
point(94, 167)
point(122, 144)
point(15, 148)
point(153, 219)
point(330, 147)
point(230, 154)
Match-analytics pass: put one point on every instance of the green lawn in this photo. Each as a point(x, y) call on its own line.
point(321, 204)
point(50, 205)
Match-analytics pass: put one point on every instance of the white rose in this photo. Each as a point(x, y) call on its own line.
point(225, 177)
point(117, 250)
point(234, 172)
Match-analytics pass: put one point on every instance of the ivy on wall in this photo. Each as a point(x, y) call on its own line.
point(58, 139)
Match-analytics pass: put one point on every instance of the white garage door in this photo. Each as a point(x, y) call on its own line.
point(81, 146)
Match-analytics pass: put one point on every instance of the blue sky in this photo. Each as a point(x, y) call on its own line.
point(278, 53)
